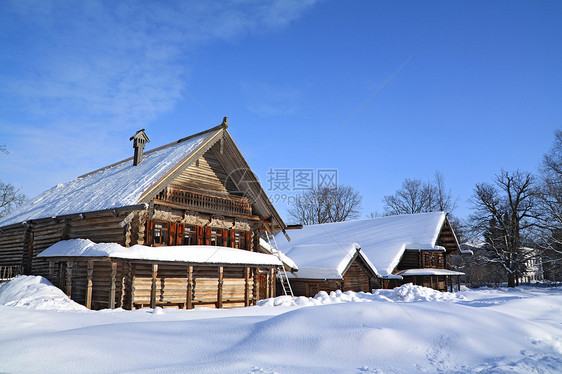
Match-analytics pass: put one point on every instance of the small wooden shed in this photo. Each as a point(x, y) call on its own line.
point(330, 267)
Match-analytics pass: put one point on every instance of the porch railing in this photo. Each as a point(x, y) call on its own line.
point(9, 272)
point(200, 201)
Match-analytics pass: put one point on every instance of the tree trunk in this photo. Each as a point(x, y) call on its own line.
point(510, 280)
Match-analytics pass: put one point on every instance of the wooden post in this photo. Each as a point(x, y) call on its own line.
point(132, 280)
point(268, 285)
point(219, 291)
point(111, 303)
point(69, 279)
point(90, 273)
point(51, 270)
point(256, 285)
point(153, 286)
point(247, 287)
point(189, 296)
point(272, 282)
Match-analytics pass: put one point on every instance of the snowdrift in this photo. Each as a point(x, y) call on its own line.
point(35, 292)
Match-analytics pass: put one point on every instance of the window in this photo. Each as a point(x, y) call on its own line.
point(160, 233)
point(215, 237)
point(240, 239)
point(190, 235)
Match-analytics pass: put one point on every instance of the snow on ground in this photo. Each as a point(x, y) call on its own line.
point(407, 330)
point(37, 293)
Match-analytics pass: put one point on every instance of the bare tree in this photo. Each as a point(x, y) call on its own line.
point(505, 216)
point(550, 204)
point(323, 205)
point(416, 196)
point(9, 198)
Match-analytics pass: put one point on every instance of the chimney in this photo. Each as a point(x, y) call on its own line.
point(139, 140)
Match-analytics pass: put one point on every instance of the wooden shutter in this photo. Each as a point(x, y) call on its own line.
point(200, 235)
point(149, 232)
point(232, 238)
point(179, 236)
point(172, 233)
point(248, 244)
point(224, 237)
point(207, 235)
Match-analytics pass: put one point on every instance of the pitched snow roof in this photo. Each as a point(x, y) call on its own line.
point(382, 240)
point(203, 254)
point(427, 271)
point(286, 260)
point(118, 185)
point(325, 261)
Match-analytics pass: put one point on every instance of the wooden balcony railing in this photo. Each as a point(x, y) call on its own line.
point(199, 201)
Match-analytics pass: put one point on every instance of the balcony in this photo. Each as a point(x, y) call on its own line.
point(203, 202)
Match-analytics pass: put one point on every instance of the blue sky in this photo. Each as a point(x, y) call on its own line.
point(380, 91)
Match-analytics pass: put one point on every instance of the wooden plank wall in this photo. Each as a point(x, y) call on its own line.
point(44, 235)
point(310, 287)
point(356, 278)
point(205, 174)
point(11, 245)
point(105, 229)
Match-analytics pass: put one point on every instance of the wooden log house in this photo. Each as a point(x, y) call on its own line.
point(197, 191)
point(395, 250)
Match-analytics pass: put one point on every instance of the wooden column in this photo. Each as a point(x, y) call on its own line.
point(272, 282)
point(247, 287)
point(51, 270)
point(219, 291)
point(153, 286)
point(256, 286)
point(111, 303)
point(90, 273)
point(268, 285)
point(132, 280)
point(69, 279)
point(189, 296)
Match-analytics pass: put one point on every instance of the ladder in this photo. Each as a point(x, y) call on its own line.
point(283, 278)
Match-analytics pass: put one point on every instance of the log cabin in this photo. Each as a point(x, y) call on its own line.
point(185, 218)
point(390, 251)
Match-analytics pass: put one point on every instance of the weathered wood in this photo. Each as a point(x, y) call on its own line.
point(247, 286)
point(113, 274)
point(153, 286)
point(189, 297)
point(90, 273)
point(219, 290)
point(69, 278)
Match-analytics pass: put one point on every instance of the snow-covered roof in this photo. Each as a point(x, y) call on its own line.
point(325, 261)
point(383, 240)
point(276, 252)
point(203, 254)
point(428, 271)
point(116, 186)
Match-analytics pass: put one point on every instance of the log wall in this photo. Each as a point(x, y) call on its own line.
point(133, 285)
point(357, 278)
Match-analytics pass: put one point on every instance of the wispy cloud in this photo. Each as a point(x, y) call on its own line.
point(80, 69)
point(269, 100)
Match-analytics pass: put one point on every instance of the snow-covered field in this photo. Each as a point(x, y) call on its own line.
point(406, 330)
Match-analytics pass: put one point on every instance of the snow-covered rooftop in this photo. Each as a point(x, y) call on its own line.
point(427, 271)
point(182, 253)
point(324, 261)
point(276, 252)
point(117, 186)
point(382, 240)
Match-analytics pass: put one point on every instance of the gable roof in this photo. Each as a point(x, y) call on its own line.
point(383, 240)
point(326, 261)
point(122, 184)
point(200, 254)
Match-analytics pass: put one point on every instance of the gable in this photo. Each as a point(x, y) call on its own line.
point(206, 174)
